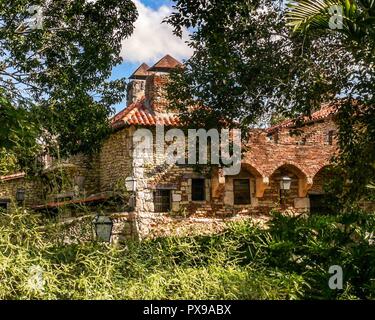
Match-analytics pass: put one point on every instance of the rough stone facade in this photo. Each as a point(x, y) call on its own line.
point(135, 91)
point(116, 160)
point(10, 186)
point(263, 165)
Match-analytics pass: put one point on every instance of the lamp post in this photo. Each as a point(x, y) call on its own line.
point(285, 185)
point(103, 226)
point(131, 186)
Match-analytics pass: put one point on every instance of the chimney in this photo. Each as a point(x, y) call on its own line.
point(137, 86)
point(157, 81)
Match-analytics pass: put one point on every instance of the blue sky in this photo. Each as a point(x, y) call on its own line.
point(151, 40)
point(157, 3)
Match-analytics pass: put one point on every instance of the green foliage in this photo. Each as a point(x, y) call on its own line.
point(356, 119)
point(55, 78)
point(357, 16)
point(18, 136)
point(309, 246)
point(288, 260)
point(8, 163)
point(248, 65)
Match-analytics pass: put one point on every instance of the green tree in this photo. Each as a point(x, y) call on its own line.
point(355, 25)
point(56, 59)
point(248, 62)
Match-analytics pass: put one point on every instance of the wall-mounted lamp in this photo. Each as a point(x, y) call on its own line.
point(131, 184)
point(285, 183)
point(20, 195)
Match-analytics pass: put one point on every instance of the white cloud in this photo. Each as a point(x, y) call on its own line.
point(152, 39)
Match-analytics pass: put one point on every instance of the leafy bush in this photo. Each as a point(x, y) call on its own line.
point(288, 260)
point(309, 246)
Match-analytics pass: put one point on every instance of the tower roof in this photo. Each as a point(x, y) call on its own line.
point(166, 64)
point(141, 72)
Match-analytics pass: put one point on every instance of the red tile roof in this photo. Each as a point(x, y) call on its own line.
point(140, 114)
point(325, 112)
point(141, 72)
point(166, 63)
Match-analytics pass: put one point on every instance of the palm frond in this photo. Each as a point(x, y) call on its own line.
point(305, 14)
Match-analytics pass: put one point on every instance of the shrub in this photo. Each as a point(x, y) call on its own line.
point(289, 259)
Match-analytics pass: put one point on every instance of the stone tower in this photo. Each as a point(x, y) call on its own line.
point(137, 85)
point(156, 82)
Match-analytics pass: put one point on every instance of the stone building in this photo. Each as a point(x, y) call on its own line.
point(273, 154)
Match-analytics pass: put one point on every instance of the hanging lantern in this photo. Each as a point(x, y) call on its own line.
point(103, 228)
point(20, 195)
point(131, 184)
point(285, 183)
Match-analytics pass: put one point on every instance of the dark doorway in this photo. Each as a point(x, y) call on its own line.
point(320, 204)
point(241, 188)
point(4, 203)
point(198, 190)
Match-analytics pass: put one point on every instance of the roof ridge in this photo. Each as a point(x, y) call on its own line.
point(127, 110)
point(141, 72)
point(327, 109)
point(166, 63)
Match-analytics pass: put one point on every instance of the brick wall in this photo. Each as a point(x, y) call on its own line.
point(155, 91)
point(265, 163)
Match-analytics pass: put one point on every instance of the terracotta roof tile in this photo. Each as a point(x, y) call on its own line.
point(166, 63)
point(325, 112)
point(139, 114)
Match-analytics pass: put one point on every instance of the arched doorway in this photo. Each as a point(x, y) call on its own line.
point(321, 199)
point(240, 190)
point(292, 195)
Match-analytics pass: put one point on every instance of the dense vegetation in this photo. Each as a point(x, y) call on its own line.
point(259, 59)
point(288, 260)
point(56, 60)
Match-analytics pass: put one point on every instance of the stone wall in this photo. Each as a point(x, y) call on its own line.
point(163, 225)
point(33, 190)
point(125, 228)
point(81, 171)
point(135, 91)
point(87, 176)
point(155, 91)
point(116, 160)
point(302, 157)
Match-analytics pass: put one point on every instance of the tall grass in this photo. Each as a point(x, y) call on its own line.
point(289, 260)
